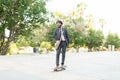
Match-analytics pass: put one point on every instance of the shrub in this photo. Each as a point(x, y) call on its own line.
point(13, 49)
point(46, 45)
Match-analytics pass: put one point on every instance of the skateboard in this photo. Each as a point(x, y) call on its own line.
point(60, 69)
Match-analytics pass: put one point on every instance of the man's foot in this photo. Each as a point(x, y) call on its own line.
point(56, 69)
point(63, 67)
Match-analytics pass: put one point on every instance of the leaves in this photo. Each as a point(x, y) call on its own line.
point(94, 38)
point(113, 39)
point(20, 18)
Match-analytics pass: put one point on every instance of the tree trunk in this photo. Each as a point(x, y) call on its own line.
point(2, 43)
point(77, 49)
point(5, 46)
point(89, 49)
point(4, 49)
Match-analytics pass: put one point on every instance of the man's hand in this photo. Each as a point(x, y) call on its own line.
point(57, 44)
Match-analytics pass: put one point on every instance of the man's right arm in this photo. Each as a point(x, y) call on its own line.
point(53, 36)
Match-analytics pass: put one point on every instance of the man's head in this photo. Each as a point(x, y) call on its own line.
point(59, 23)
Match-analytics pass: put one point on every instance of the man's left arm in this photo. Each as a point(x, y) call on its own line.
point(67, 36)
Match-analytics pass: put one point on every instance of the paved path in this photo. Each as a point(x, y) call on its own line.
point(82, 66)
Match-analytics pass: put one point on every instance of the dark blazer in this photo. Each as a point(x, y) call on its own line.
point(56, 35)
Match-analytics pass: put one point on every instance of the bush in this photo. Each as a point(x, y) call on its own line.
point(46, 45)
point(94, 39)
point(113, 39)
point(13, 49)
point(22, 41)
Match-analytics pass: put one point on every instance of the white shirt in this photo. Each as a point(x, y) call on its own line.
point(62, 35)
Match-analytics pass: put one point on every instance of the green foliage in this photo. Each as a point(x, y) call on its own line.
point(76, 26)
point(76, 37)
point(113, 39)
point(22, 41)
point(35, 39)
point(94, 39)
point(20, 18)
point(13, 49)
point(49, 34)
point(46, 45)
point(38, 35)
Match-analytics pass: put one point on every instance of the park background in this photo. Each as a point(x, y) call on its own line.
point(26, 26)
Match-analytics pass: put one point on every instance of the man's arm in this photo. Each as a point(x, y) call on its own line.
point(53, 36)
point(67, 36)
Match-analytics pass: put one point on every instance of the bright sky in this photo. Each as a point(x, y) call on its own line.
point(107, 9)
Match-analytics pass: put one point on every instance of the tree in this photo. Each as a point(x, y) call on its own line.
point(90, 21)
point(113, 39)
point(94, 39)
point(38, 36)
point(102, 23)
point(75, 24)
point(81, 7)
point(22, 41)
point(19, 17)
point(77, 39)
point(78, 28)
point(49, 33)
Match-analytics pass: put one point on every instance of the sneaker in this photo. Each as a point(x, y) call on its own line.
point(56, 69)
point(63, 67)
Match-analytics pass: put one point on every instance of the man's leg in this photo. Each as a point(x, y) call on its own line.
point(63, 52)
point(58, 56)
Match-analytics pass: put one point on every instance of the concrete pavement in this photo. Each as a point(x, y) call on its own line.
point(80, 66)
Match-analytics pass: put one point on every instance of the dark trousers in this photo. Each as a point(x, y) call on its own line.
point(63, 48)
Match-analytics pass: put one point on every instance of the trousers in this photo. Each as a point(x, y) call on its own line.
point(62, 47)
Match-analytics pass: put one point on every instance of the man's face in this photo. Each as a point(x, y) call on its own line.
point(59, 24)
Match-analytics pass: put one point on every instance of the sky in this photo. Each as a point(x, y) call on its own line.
point(107, 9)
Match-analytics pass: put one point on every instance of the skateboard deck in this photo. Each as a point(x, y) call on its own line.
point(60, 69)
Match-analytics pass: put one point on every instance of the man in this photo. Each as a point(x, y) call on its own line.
point(60, 37)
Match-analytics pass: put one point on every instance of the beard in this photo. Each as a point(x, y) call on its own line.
point(59, 26)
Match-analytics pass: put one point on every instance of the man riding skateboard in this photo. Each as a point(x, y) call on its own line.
point(61, 39)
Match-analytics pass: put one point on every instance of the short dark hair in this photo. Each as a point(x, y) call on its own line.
point(59, 21)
